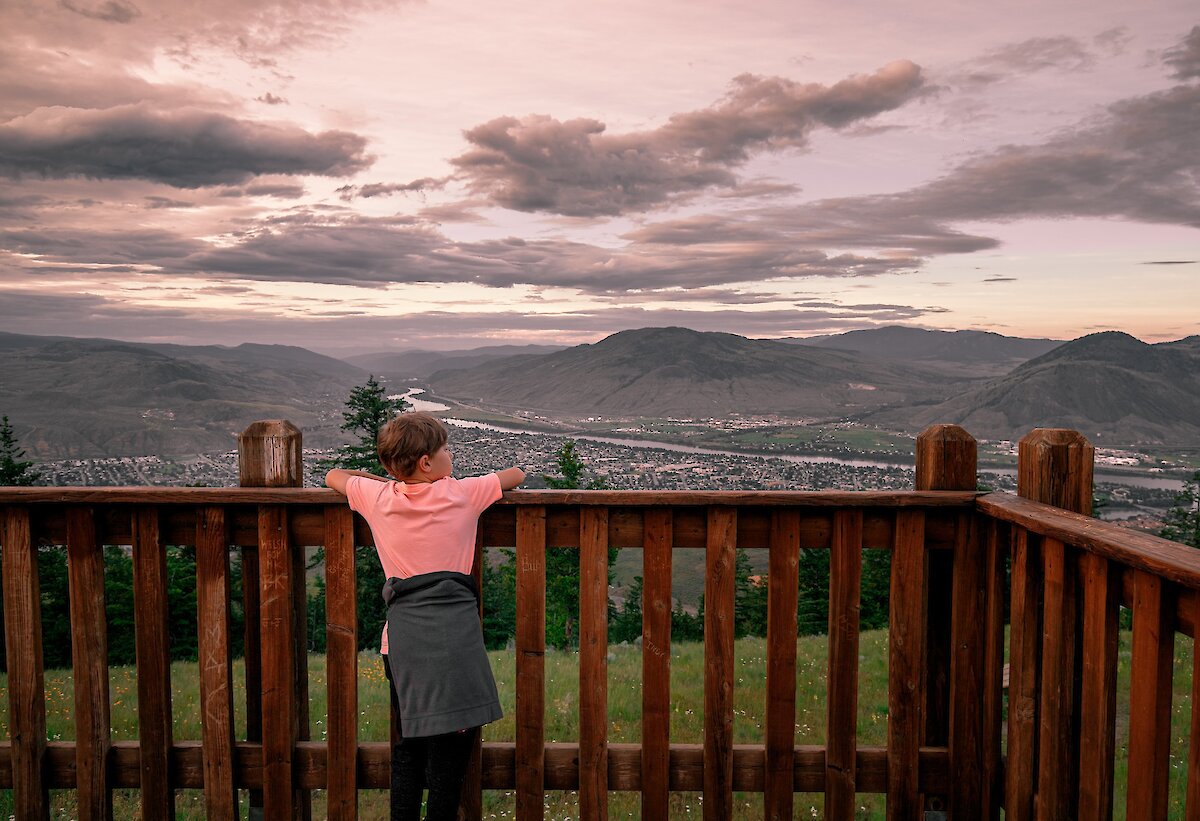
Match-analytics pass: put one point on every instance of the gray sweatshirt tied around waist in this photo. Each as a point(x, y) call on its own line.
point(439, 665)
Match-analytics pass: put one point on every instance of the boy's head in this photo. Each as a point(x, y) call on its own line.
point(408, 437)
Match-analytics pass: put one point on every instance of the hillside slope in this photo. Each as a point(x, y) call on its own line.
point(99, 397)
point(676, 371)
point(1113, 388)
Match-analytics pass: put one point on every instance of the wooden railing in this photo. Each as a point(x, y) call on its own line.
point(949, 547)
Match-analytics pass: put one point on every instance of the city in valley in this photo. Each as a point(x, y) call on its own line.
point(1133, 500)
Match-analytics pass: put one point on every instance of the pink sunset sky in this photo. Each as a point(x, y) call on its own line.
point(366, 176)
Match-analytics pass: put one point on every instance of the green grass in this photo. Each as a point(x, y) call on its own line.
point(624, 705)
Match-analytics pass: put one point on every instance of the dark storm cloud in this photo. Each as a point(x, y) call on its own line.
point(1184, 58)
point(576, 168)
point(184, 148)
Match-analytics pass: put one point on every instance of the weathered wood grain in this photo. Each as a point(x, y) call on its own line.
point(153, 664)
point(845, 575)
point(782, 594)
point(89, 660)
point(26, 685)
point(1150, 699)
point(906, 667)
point(213, 592)
point(656, 663)
point(593, 664)
point(341, 638)
point(531, 661)
point(719, 662)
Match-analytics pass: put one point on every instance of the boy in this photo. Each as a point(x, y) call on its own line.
point(424, 526)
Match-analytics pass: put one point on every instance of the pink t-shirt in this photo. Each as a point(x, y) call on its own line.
point(425, 526)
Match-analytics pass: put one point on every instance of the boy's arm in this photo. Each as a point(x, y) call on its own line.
point(338, 477)
point(510, 478)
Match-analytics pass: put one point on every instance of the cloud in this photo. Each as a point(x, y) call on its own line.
point(187, 148)
point(577, 168)
point(348, 193)
point(1059, 53)
point(1172, 262)
point(156, 202)
point(1000, 279)
point(270, 99)
point(37, 312)
point(110, 11)
point(1184, 58)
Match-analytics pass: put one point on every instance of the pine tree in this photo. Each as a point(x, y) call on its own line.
point(1183, 519)
point(367, 410)
point(562, 564)
point(14, 469)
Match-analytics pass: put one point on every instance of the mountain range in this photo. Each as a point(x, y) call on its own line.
point(74, 398)
point(71, 397)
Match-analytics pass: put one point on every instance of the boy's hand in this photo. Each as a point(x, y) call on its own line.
point(338, 477)
point(510, 478)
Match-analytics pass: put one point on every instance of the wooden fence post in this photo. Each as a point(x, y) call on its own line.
point(270, 455)
point(1054, 467)
point(947, 458)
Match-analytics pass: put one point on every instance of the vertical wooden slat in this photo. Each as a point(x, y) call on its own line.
point(906, 667)
point(1150, 698)
point(1024, 635)
point(300, 658)
point(26, 686)
point(1055, 761)
point(471, 803)
point(270, 454)
point(1192, 809)
point(946, 459)
point(845, 572)
point(966, 672)
point(1098, 705)
point(252, 654)
point(341, 638)
point(531, 661)
point(656, 661)
point(216, 668)
point(719, 663)
point(153, 665)
point(89, 659)
point(281, 799)
point(593, 663)
point(993, 676)
point(782, 594)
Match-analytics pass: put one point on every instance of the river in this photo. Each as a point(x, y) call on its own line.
point(1131, 479)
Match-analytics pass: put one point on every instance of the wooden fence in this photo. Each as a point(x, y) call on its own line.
point(951, 548)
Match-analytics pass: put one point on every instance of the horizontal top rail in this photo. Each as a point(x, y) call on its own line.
point(608, 498)
point(1162, 557)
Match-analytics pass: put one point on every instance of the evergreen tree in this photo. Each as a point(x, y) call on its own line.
point(1183, 519)
point(14, 469)
point(750, 599)
point(562, 564)
point(367, 410)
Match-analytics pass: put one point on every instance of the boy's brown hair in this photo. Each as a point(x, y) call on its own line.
point(408, 437)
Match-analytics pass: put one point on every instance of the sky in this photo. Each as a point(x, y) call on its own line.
point(364, 176)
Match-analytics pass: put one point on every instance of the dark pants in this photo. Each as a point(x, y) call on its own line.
point(437, 762)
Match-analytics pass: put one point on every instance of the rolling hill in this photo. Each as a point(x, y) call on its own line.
point(420, 363)
point(98, 397)
point(1113, 388)
point(966, 353)
point(675, 371)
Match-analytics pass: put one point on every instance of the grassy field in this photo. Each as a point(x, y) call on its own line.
point(624, 704)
